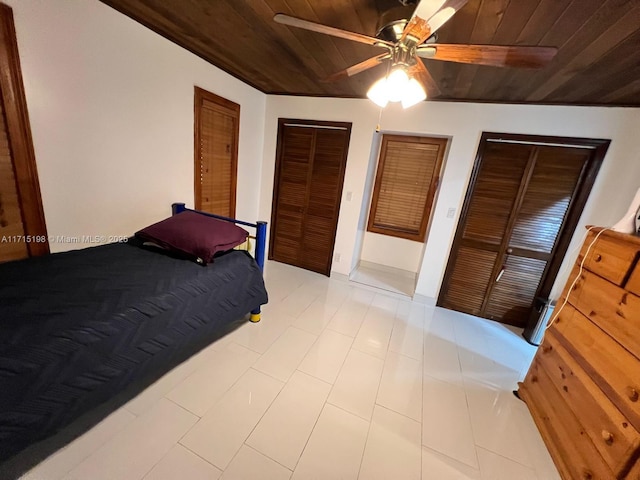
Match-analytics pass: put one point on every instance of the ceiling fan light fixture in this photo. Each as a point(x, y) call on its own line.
point(397, 87)
point(397, 83)
point(413, 94)
point(378, 93)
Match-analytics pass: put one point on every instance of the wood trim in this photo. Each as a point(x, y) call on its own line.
point(20, 140)
point(433, 187)
point(315, 123)
point(231, 108)
point(276, 183)
point(592, 143)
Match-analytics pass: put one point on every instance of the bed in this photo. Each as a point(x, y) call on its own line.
point(81, 327)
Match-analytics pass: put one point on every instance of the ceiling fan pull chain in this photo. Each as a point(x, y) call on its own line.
point(379, 119)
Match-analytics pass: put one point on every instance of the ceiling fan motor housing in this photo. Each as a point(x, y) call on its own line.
point(392, 22)
point(403, 55)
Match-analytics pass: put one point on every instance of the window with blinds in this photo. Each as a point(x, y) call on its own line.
point(405, 186)
point(216, 153)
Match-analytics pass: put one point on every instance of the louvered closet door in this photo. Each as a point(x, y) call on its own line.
point(549, 190)
point(307, 192)
point(487, 220)
point(293, 180)
point(323, 203)
point(513, 218)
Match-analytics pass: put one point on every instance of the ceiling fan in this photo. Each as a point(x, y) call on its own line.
point(414, 39)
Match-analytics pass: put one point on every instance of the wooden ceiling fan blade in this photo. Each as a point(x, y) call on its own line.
point(420, 73)
point(358, 67)
point(428, 17)
point(327, 30)
point(493, 55)
point(443, 15)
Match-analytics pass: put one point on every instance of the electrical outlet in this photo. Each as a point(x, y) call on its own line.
point(451, 213)
point(349, 196)
point(336, 257)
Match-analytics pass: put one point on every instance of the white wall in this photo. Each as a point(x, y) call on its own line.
point(111, 110)
point(616, 184)
point(392, 252)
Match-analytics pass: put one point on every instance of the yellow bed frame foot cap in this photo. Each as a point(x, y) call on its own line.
point(255, 317)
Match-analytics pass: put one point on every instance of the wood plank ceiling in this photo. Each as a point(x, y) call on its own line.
point(598, 62)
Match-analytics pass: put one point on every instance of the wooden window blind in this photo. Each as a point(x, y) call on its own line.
point(216, 155)
point(406, 181)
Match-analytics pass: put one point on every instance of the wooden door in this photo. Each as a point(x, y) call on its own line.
point(310, 165)
point(521, 209)
point(22, 226)
point(216, 153)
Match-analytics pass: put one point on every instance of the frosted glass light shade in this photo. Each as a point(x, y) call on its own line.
point(412, 94)
point(378, 93)
point(397, 82)
point(397, 87)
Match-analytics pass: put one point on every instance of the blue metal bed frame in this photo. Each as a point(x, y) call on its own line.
point(261, 238)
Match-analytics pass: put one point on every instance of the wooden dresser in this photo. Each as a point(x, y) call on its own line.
point(583, 386)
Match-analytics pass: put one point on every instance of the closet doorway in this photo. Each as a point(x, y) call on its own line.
point(404, 174)
point(521, 209)
point(311, 158)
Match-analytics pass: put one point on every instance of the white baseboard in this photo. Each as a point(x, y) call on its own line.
point(341, 277)
point(430, 301)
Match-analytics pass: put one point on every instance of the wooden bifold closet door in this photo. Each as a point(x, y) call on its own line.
point(310, 165)
point(521, 209)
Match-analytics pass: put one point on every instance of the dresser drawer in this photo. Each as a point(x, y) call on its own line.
point(612, 367)
point(609, 430)
point(571, 293)
point(613, 309)
point(573, 452)
point(610, 258)
point(562, 317)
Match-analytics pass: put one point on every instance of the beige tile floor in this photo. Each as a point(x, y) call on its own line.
point(336, 382)
point(385, 278)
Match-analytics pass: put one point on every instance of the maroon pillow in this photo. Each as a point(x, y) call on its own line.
point(198, 236)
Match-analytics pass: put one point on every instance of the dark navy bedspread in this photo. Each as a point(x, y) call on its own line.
point(77, 328)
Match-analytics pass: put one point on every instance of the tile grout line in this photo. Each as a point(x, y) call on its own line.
point(507, 458)
point(375, 402)
point(245, 444)
point(216, 403)
point(311, 434)
point(455, 460)
point(199, 456)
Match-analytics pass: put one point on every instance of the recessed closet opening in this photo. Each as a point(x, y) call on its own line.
point(400, 191)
